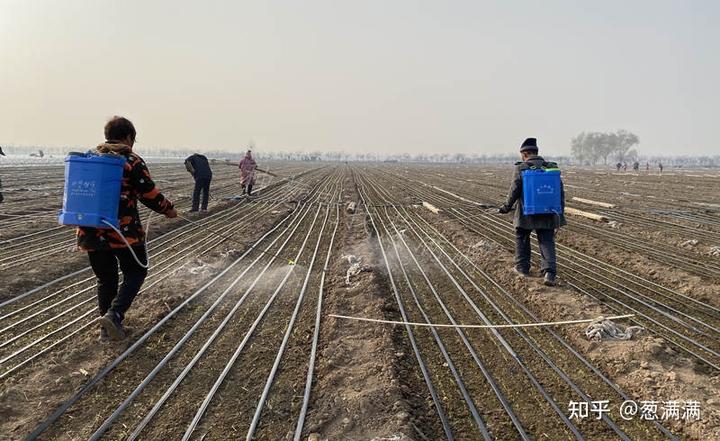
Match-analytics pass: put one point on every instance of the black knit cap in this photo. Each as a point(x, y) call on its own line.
point(530, 144)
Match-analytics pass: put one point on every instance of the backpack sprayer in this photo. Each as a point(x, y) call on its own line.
point(92, 193)
point(541, 191)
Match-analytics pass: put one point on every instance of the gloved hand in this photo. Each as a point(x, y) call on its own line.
point(504, 209)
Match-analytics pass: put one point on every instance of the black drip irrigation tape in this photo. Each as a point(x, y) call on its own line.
point(236, 241)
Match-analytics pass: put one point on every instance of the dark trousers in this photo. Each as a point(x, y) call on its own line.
point(546, 241)
point(247, 189)
point(105, 266)
point(202, 185)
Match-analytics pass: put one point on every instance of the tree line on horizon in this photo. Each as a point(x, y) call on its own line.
point(588, 148)
point(592, 147)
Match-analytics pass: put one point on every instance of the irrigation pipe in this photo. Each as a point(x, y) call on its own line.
point(446, 325)
point(231, 239)
point(287, 178)
point(41, 427)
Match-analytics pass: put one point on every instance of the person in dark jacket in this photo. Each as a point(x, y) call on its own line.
point(544, 225)
point(106, 248)
point(199, 168)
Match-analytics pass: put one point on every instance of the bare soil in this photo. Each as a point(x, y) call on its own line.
point(27, 398)
point(368, 385)
point(703, 289)
point(646, 367)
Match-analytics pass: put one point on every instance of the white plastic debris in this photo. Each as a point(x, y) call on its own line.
point(614, 224)
point(603, 329)
point(197, 269)
point(715, 251)
point(483, 245)
point(690, 243)
point(431, 207)
point(355, 268)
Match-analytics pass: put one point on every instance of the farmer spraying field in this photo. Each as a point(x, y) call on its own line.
point(544, 218)
point(247, 173)
point(199, 167)
point(107, 248)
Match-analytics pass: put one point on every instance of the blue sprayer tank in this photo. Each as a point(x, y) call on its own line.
point(541, 191)
point(92, 189)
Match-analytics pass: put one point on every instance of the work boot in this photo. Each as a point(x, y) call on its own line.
point(549, 279)
point(110, 322)
point(520, 272)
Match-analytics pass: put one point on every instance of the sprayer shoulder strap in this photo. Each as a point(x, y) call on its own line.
point(544, 166)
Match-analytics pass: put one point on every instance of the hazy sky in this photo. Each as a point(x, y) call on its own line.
point(362, 75)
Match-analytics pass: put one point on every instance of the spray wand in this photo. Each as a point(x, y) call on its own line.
point(289, 178)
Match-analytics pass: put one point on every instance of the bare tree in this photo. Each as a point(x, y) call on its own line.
point(623, 141)
point(591, 147)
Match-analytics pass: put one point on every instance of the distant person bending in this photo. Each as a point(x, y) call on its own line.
point(247, 173)
point(106, 248)
point(618, 166)
point(543, 224)
point(199, 168)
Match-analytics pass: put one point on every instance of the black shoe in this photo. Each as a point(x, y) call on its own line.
point(104, 335)
point(194, 210)
point(521, 273)
point(549, 279)
point(110, 322)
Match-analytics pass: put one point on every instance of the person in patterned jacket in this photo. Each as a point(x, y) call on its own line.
point(106, 248)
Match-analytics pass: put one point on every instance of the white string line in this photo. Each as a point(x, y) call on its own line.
point(519, 325)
